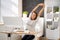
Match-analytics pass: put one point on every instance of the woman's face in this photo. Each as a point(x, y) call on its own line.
point(33, 16)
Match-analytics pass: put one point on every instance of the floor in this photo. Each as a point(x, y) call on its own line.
point(43, 38)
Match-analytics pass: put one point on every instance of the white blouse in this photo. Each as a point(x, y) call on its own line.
point(30, 24)
point(34, 25)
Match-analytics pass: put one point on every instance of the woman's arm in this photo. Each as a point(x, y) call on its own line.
point(41, 4)
point(35, 8)
point(40, 12)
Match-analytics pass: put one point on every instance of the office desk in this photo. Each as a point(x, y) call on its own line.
point(20, 33)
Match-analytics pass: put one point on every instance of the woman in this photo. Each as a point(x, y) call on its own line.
point(33, 18)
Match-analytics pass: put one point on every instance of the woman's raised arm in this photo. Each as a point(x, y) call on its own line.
point(35, 8)
point(40, 12)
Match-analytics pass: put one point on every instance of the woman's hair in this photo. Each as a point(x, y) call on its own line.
point(36, 15)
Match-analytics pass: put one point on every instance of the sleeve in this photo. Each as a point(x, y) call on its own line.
point(25, 21)
point(39, 27)
point(30, 14)
point(37, 18)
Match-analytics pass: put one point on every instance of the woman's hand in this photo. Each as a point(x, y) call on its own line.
point(41, 4)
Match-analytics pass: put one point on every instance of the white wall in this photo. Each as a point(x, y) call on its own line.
point(0, 10)
point(9, 7)
point(0, 13)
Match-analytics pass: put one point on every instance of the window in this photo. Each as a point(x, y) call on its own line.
point(49, 9)
point(55, 9)
point(9, 8)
